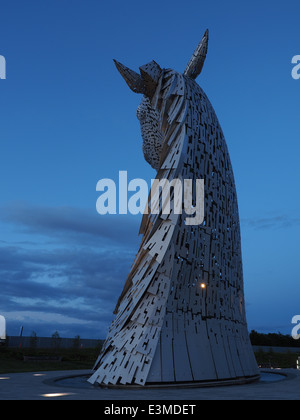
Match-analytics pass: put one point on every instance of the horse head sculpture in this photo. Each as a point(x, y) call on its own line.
point(181, 315)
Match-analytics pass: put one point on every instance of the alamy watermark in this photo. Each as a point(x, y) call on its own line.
point(167, 197)
point(296, 68)
point(2, 67)
point(2, 328)
point(296, 329)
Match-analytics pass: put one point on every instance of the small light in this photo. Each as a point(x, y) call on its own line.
point(203, 286)
point(39, 374)
point(4, 377)
point(55, 395)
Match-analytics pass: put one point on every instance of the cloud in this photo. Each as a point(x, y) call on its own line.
point(82, 284)
point(75, 274)
point(274, 222)
point(70, 223)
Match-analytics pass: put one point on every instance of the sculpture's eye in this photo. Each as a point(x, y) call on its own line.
point(140, 113)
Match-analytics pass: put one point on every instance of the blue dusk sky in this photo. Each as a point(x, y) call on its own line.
point(68, 119)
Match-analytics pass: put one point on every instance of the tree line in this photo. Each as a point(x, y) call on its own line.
point(273, 339)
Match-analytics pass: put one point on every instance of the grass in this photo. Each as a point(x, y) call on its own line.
point(11, 360)
point(276, 360)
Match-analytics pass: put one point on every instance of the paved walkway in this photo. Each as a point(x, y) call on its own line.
point(43, 386)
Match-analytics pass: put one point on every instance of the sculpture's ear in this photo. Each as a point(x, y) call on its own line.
point(195, 65)
point(150, 73)
point(133, 79)
point(144, 83)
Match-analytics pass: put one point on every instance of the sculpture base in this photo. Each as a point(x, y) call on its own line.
point(199, 384)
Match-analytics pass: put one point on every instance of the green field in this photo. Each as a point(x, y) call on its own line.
point(277, 360)
point(12, 360)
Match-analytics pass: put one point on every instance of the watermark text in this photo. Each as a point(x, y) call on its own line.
point(2, 67)
point(296, 329)
point(168, 197)
point(296, 68)
point(2, 328)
